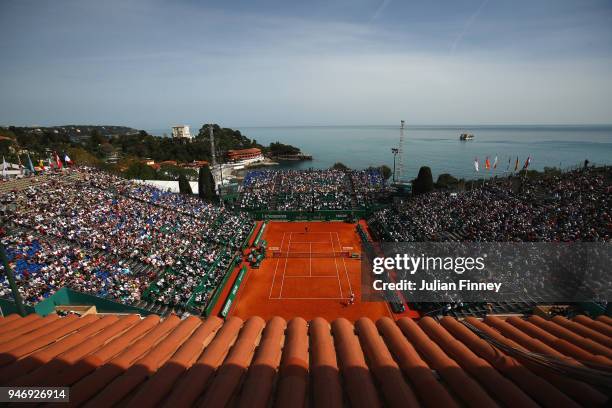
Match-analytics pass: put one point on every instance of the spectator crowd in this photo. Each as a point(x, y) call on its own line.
point(177, 243)
point(574, 206)
point(310, 190)
point(560, 207)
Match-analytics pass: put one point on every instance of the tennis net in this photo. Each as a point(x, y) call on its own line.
point(335, 254)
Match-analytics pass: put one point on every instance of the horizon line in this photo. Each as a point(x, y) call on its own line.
point(408, 125)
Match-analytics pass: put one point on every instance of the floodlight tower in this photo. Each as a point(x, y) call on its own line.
point(395, 151)
point(400, 155)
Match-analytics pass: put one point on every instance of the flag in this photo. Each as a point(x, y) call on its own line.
point(516, 164)
point(495, 163)
point(58, 161)
point(3, 167)
point(30, 165)
point(67, 159)
point(476, 163)
point(487, 164)
point(527, 162)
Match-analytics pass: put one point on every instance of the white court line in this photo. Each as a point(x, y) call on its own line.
point(277, 262)
point(336, 264)
point(280, 295)
point(345, 270)
point(309, 298)
point(311, 242)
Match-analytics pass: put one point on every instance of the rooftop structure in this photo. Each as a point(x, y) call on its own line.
point(181, 132)
point(116, 360)
point(245, 154)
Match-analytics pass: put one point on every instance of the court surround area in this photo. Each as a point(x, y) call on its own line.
point(308, 272)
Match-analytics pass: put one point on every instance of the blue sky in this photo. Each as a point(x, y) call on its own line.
point(150, 64)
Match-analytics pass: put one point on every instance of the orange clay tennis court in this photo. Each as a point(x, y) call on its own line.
point(307, 286)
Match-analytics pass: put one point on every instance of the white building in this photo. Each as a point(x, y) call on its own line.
point(181, 132)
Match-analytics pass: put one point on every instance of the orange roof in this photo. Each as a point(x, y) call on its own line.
point(253, 150)
point(137, 362)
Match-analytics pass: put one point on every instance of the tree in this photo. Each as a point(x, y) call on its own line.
point(424, 181)
point(184, 186)
point(340, 166)
point(206, 184)
point(96, 139)
point(446, 180)
point(5, 145)
point(141, 171)
point(81, 156)
point(385, 171)
point(280, 149)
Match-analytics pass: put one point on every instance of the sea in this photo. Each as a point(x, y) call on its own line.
point(439, 147)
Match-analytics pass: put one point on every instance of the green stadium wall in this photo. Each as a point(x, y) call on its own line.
point(233, 292)
point(324, 215)
point(215, 298)
point(69, 297)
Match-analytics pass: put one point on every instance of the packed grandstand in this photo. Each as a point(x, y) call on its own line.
point(311, 190)
point(566, 207)
point(110, 237)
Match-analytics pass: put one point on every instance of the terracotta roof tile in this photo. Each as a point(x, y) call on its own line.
point(480, 369)
point(14, 323)
point(358, 380)
point(191, 385)
point(537, 388)
point(225, 383)
point(259, 381)
point(585, 349)
point(57, 351)
point(326, 384)
point(426, 384)
point(12, 334)
point(128, 361)
point(577, 390)
point(89, 386)
point(584, 331)
point(605, 319)
point(601, 327)
point(160, 384)
point(293, 372)
point(458, 380)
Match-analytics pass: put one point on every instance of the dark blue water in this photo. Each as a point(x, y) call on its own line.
point(440, 148)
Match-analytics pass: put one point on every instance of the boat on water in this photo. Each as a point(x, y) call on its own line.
point(466, 136)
